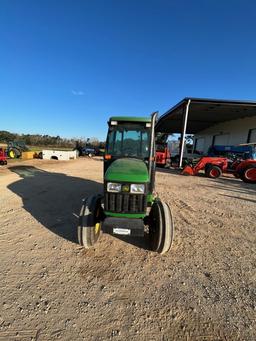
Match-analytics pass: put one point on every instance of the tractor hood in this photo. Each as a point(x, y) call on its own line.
point(127, 170)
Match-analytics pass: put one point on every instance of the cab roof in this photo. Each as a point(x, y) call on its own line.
point(130, 119)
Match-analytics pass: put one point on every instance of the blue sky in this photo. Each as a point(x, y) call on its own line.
point(66, 66)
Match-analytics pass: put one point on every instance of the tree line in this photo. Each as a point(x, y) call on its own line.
point(47, 140)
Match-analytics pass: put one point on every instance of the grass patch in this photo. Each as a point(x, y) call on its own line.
point(40, 148)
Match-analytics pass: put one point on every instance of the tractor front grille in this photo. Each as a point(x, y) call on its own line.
point(125, 203)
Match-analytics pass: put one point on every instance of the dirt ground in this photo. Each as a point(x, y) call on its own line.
point(51, 288)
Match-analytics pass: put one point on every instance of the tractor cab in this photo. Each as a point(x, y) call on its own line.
point(128, 206)
point(129, 138)
point(129, 150)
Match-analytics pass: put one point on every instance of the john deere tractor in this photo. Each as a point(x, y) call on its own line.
point(129, 205)
point(15, 149)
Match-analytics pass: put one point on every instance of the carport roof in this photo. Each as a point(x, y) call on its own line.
point(203, 113)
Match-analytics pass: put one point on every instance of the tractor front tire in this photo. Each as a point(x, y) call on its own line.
point(249, 174)
point(212, 171)
point(161, 227)
point(90, 221)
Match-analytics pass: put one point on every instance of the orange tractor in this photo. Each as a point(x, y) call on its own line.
point(3, 160)
point(214, 166)
point(162, 155)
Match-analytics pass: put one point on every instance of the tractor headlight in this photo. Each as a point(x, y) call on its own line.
point(113, 187)
point(138, 188)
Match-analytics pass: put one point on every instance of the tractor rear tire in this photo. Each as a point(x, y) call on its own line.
point(161, 227)
point(249, 174)
point(213, 171)
point(14, 153)
point(90, 221)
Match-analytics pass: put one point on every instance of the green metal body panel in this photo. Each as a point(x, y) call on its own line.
point(150, 198)
point(125, 215)
point(130, 119)
point(127, 170)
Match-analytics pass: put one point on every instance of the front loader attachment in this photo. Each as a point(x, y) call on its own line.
point(188, 170)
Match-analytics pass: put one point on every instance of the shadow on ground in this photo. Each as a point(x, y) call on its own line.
point(174, 171)
point(229, 183)
point(233, 185)
point(139, 242)
point(240, 198)
point(55, 199)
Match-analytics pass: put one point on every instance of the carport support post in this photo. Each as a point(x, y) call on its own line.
point(183, 135)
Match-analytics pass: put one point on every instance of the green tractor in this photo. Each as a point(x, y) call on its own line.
point(129, 206)
point(15, 148)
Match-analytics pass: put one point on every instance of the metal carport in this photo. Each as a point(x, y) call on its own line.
point(192, 115)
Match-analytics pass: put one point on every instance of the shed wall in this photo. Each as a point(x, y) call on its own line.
point(232, 132)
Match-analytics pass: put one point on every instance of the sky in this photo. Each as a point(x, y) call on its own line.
point(66, 66)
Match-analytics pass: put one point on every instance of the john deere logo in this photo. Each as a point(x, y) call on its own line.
point(125, 188)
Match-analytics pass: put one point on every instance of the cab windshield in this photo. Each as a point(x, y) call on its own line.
point(128, 141)
point(254, 152)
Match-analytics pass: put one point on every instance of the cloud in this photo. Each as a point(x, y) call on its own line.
point(77, 93)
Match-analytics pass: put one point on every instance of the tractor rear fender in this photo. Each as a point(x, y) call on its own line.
point(244, 164)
